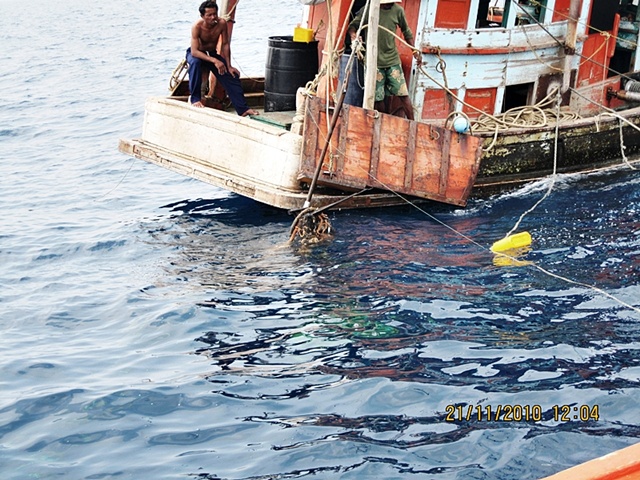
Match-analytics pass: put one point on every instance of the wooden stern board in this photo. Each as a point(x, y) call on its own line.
point(370, 149)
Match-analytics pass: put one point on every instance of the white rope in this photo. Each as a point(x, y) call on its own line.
point(515, 260)
point(554, 174)
point(623, 148)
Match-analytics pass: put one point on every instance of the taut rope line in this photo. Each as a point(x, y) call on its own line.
point(500, 254)
point(515, 260)
point(553, 176)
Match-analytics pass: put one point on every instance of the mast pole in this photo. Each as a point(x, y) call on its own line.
point(372, 55)
point(223, 7)
point(570, 42)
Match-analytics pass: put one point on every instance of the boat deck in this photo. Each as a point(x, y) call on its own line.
point(276, 119)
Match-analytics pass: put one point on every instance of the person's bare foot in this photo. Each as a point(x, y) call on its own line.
point(198, 104)
point(251, 111)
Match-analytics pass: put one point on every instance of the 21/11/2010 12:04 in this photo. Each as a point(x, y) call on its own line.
point(520, 413)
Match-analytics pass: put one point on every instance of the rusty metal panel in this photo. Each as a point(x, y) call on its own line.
point(394, 138)
point(426, 175)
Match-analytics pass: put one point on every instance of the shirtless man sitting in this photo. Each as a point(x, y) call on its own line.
point(202, 57)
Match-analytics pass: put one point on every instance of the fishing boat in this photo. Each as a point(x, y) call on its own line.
point(623, 464)
point(506, 92)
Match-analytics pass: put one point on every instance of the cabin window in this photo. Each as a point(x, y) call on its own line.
point(603, 13)
point(621, 62)
point(489, 13)
point(525, 12)
point(517, 96)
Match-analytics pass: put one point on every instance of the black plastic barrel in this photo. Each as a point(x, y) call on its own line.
point(355, 87)
point(290, 65)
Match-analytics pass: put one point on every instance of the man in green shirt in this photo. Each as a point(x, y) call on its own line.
point(390, 78)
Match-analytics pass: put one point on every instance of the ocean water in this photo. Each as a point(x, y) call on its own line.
point(152, 326)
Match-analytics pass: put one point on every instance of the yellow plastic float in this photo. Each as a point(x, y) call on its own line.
point(512, 242)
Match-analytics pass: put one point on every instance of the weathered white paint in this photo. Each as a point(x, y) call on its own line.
point(473, 14)
point(413, 80)
point(584, 13)
point(511, 12)
point(533, 52)
point(430, 7)
point(490, 71)
point(499, 100)
point(461, 94)
point(487, 38)
point(547, 15)
point(246, 150)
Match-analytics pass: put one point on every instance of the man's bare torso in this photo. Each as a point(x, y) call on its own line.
point(209, 35)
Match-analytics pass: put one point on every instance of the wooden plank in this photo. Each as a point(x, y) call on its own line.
point(374, 159)
point(444, 164)
point(461, 149)
point(359, 145)
point(343, 134)
point(310, 139)
point(426, 175)
point(394, 137)
point(411, 154)
point(334, 145)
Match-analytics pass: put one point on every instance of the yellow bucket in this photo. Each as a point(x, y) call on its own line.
point(512, 242)
point(302, 35)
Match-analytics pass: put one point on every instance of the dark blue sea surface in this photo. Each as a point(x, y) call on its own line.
point(156, 327)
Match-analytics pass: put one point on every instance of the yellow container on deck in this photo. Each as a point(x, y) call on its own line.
point(512, 242)
point(301, 34)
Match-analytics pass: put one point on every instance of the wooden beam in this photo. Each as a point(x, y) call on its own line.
point(372, 55)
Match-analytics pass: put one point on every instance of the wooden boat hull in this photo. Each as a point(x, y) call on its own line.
point(522, 155)
point(267, 163)
point(468, 66)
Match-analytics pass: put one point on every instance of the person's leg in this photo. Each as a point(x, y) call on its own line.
point(379, 104)
point(195, 79)
point(212, 84)
point(233, 87)
point(396, 85)
point(406, 104)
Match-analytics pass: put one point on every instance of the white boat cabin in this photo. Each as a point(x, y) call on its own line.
point(493, 55)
